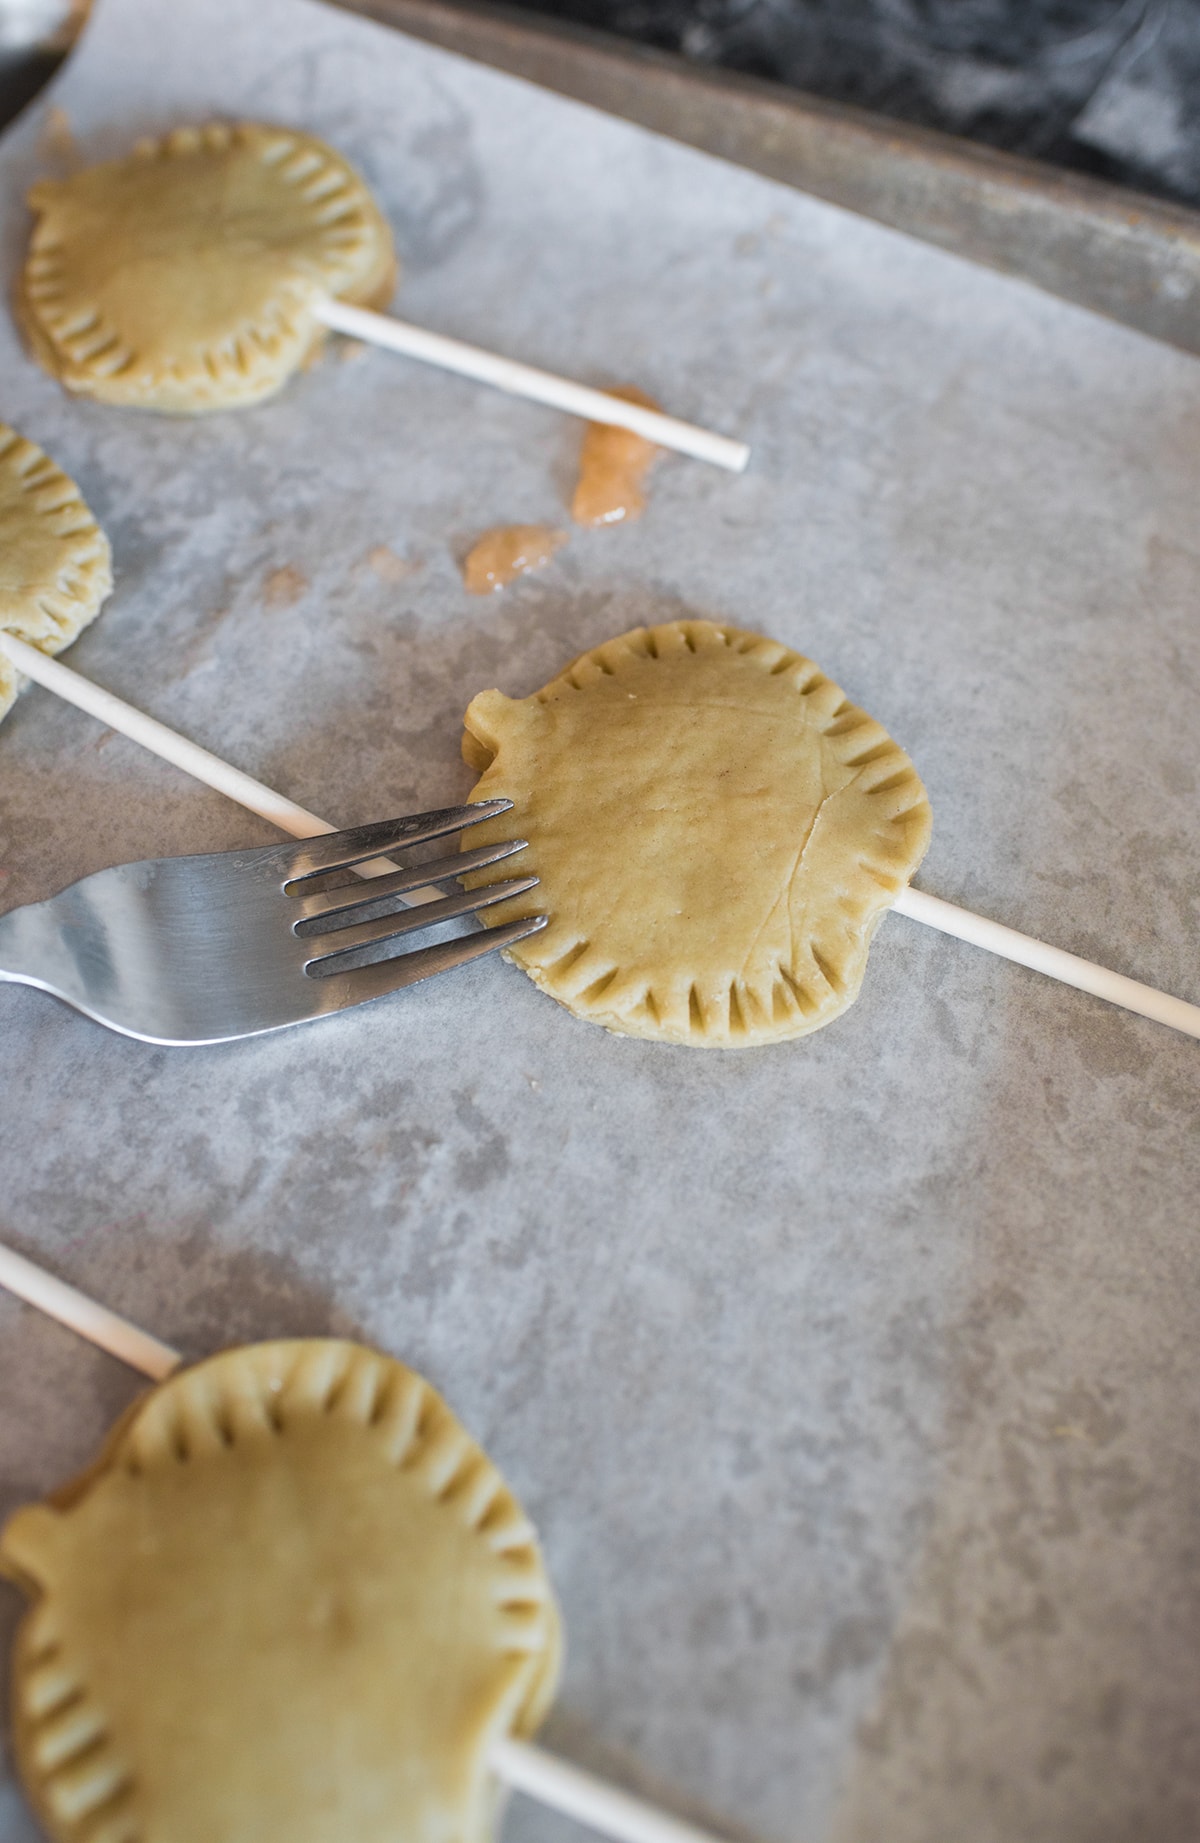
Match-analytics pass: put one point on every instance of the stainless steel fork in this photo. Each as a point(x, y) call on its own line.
point(207, 949)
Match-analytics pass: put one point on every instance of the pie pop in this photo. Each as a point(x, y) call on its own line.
point(678, 761)
point(291, 1600)
point(748, 791)
point(202, 270)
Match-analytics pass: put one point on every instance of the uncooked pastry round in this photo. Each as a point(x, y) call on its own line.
point(292, 1601)
point(183, 277)
point(55, 565)
point(717, 831)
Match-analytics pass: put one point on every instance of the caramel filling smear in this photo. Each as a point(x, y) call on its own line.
point(506, 552)
point(613, 465)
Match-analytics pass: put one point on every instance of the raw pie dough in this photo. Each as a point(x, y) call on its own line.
point(55, 565)
point(182, 277)
point(718, 831)
point(292, 1602)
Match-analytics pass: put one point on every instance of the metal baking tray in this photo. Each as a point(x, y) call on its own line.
point(1102, 246)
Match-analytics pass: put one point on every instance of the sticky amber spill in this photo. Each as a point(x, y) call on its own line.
point(508, 551)
point(284, 586)
point(612, 467)
point(383, 562)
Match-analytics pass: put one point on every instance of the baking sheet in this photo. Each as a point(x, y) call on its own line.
point(852, 1383)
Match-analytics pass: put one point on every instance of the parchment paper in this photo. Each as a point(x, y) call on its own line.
point(852, 1383)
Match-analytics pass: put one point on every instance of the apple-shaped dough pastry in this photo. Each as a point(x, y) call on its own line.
point(291, 1602)
point(717, 832)
point(182, 277)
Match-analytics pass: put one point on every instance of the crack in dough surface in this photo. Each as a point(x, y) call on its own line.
point(717, 829)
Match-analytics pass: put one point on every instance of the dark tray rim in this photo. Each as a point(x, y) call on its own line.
point(1117, 252)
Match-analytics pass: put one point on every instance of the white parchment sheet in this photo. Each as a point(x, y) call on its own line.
point(852, 1383)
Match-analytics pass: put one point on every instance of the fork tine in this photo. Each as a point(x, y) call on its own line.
point(316, 857)
point(356, 895)
point(340, 990)
point(408, 921)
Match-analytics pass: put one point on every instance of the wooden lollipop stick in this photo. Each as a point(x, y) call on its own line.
point(526, 381)
point(85, 1316)
point(172, 747)
point(585, 1798)
point(1055, 962)
point(579, 1795)
point(1007, 943)
point(161, 741)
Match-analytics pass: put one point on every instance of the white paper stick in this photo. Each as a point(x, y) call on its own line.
point(1055, 962)
point(585, 1798)
point(527, 381)
point(162, 741)
point(1007, 943)
point(526, 1768)
point(171, 747)
point(82, 1315)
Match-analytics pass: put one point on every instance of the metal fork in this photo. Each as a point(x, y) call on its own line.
point(236, 943)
